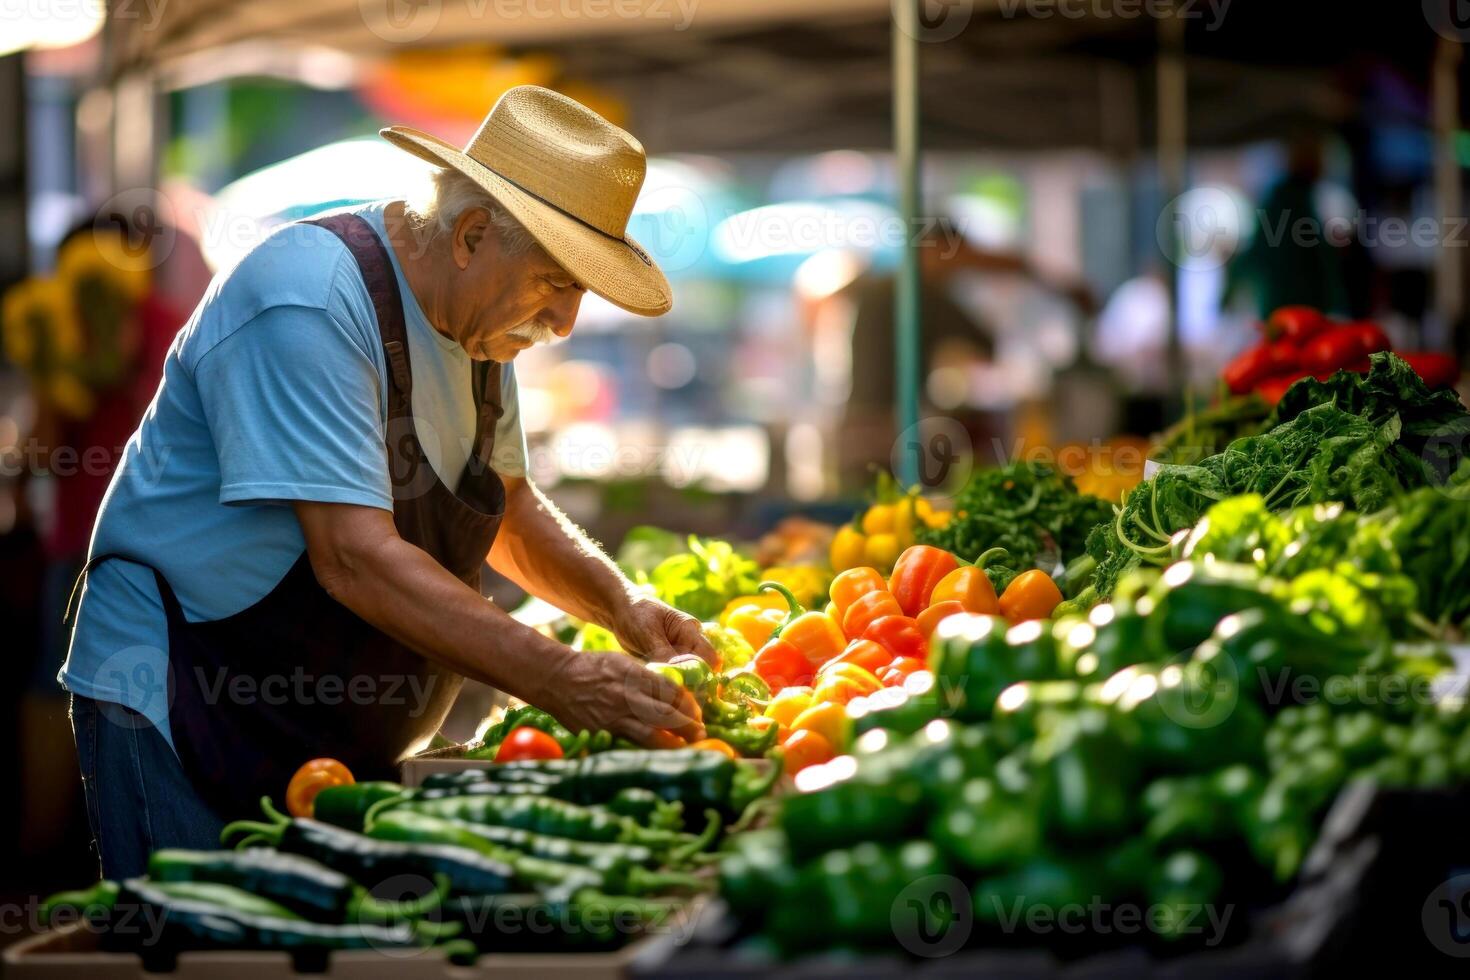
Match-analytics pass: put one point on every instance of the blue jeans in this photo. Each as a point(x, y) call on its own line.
point(138, 798)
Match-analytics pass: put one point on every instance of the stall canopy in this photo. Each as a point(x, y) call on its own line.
point(752, 75)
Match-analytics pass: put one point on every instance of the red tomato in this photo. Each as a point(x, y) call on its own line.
point(1247, 369)
point(527, 743)
point(806, 748)
point(865, 653)
point(899, 671)
point(1437, 370)
point(1295, 323)
point(780, 664)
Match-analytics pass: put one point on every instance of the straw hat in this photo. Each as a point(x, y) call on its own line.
point(570, 177)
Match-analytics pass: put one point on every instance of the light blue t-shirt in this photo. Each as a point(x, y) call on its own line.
point(274, 391)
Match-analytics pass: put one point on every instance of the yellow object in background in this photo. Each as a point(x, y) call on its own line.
point(848, 546)
point(881, 551)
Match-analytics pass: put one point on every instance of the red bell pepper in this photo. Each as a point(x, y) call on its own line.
point(899, 671)
point(781, 664)
point(915, 574)
point(900, 635)
point(1344, 347)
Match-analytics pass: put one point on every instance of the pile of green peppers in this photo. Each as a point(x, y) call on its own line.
point(730, 704)
point(1201, 722)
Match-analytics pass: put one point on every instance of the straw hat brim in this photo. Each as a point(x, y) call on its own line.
point(617, 269)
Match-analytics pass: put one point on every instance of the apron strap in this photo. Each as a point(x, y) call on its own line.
point(382, 286)
point(73, 601)
point(487, 380)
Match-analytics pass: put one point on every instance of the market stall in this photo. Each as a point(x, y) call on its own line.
point(1210, 719)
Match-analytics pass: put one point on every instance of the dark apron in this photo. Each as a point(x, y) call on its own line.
point(298, 675)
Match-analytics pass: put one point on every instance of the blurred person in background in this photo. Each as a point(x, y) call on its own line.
point(1291, 259)
point(950, 336)
point(287, 562)
point(91, 340)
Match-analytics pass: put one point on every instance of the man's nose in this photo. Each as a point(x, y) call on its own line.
point(561, 313)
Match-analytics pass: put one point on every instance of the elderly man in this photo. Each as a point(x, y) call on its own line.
point(287, 562)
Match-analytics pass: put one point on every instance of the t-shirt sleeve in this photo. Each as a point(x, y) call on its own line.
point(293, 403)
point(509, 458)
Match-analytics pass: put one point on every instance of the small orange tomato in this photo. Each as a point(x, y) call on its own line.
point(1031, 595)
point(970, 587)
point(311, 779)
point(715, 745)
point(806, 748)
point(930, 618)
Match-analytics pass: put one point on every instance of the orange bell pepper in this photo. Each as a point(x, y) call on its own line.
point(806, 748)
point(917, 571)
point(851, 585)
point(900, 670)
point(828, 719)
point(837, 689)
point(868, 655)
point(781, 664)
point(874, 605)
point(970, 587)
point(930, 618)
point(900, 635)
point(865, 679)
point(1031, 595)
point(311, 779)
point(815, 634)
point(716, 745)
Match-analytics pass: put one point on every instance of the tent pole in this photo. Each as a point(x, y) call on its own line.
point(1172, 137)
point(1449, 287)
point(906, 309)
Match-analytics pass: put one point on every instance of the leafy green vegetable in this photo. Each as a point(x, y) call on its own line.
point(703, 579)
point(1359, 439)
point(1205, 433)
point(645, 546)
point(1030, 509)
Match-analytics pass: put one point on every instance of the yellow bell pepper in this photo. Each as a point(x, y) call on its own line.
point(806, 582)
point(756, 623)
point(853, 673)
point(881, 551)
point(847, 548)
point(787, 704)
point(879, 519)
point(903, 522)
point(829, 720)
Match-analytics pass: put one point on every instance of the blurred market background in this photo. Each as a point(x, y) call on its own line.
point(1105, 195)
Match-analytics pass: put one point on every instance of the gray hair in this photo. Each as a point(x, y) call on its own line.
point(446, 195)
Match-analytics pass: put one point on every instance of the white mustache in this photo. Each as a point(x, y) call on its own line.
point(532, 332)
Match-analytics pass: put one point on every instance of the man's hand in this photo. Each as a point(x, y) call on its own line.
point(594, 691)
point(657, 631)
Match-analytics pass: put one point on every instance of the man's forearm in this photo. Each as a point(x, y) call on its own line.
point(401, 590)
point(542, 551)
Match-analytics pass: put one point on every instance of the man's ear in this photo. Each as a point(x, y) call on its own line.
point(469, 234)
